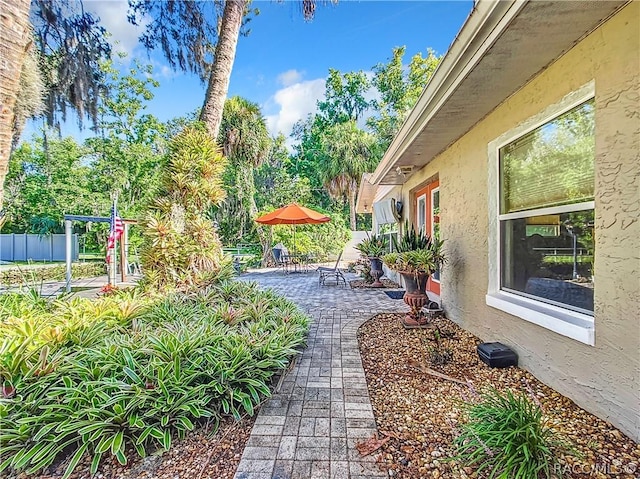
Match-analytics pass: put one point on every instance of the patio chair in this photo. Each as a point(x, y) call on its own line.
point(333, 273)
point(281, 255)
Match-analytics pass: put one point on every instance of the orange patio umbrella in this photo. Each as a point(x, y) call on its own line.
point(293, 214)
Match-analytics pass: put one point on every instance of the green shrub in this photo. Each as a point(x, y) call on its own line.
point(506, 437)
point(322, 240)
point(129, 372)
point(35, 275)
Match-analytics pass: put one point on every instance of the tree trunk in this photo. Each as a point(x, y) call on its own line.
point(15, 33)
point(267, 251)
point(352, 209)
point(265, 233)
point(225, 54)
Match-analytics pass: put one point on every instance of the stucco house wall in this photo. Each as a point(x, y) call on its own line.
point(604, 378)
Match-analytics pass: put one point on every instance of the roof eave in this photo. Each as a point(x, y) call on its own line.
point(500, 48)
point(483, 19)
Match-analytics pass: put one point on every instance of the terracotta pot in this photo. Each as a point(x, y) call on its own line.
point(415, 297)
point(376, 271)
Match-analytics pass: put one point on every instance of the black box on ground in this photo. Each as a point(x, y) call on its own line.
point(497, 355)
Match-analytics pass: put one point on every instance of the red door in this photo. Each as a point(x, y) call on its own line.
point(427, 208)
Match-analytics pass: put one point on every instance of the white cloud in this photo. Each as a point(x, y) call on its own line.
point(161, 70)
point(289, 77)
point(113, 16)
point(293, 103)
point(124, 35)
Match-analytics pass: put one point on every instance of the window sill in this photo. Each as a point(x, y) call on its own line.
point(568, 323)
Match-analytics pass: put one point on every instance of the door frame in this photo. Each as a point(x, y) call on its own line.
point(427, 191)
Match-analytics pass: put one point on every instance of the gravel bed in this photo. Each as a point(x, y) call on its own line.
point(200, 455)
point(360, 283)
point(419, 413)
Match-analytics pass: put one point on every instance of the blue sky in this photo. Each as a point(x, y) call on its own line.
point(284, 61)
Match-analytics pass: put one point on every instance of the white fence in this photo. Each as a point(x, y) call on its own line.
point(31, 247)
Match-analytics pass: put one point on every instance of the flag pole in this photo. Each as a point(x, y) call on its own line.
point(112, 256)
point(123, 274)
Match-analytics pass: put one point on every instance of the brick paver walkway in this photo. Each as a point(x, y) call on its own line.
point(309, 429)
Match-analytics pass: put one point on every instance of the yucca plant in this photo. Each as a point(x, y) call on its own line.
point(506, 437)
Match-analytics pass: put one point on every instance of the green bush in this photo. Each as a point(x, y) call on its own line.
point(131, 372)
point(35, 275)
point(322, 240)
point(506, 437)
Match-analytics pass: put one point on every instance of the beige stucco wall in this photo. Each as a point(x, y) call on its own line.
point(605, 378)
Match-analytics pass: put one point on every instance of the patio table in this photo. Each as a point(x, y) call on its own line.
point(298, 262)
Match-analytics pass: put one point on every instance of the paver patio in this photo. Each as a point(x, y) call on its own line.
point(310, 427)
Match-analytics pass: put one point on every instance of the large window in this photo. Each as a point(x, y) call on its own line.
point(546, 211)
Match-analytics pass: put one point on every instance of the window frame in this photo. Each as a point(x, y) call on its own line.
point(421, 222)
point(393, 230)
point(569, 323)
point(433, 225)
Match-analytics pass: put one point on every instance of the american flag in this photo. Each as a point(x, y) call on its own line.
point(117, 228)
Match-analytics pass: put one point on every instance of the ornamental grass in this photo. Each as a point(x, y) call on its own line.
point(128, 372)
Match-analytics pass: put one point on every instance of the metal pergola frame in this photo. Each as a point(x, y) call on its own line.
point(68, 226)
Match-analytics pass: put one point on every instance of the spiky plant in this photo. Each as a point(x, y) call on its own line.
point(506, 436)
point(373, 246)
point(416, 252)
point(411, 240)
point(181, 247)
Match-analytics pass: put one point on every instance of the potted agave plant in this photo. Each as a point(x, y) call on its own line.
point(373, 247)
point(417, 257)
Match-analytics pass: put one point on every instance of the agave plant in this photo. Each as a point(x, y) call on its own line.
point(415, 253)
point(373, 246)
point(411, 240)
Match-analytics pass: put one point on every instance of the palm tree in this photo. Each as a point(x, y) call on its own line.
point(15, 36)
point(225, 53)
point(350, 152)
point(246, 143)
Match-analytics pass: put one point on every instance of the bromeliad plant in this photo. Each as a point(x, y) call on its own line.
point(126, 372)
point(506, 437)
